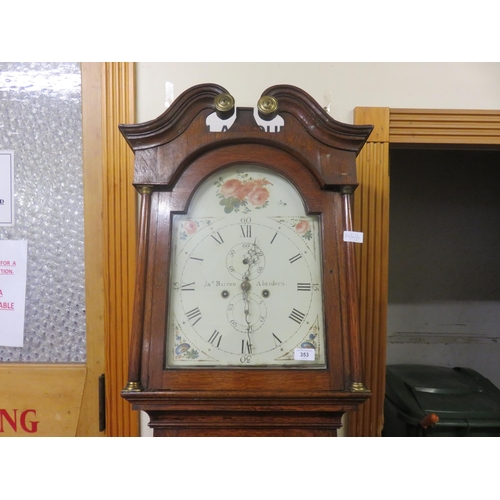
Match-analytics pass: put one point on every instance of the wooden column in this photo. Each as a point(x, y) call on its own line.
point(371, 216)
point(134, 363)
point(120, 214)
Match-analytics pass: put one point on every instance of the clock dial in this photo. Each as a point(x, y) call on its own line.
point(246, 276)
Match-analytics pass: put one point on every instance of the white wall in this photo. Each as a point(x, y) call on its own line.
point(344, 85)
point(341, 86)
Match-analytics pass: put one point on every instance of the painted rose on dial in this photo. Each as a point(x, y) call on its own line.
point(258, 196)
point(242, 194)
point(303, 227)
point(187, 229)
point(190, 227)
point(230, 187)
point(244, 190)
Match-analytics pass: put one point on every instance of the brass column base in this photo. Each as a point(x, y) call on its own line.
point(133, 387)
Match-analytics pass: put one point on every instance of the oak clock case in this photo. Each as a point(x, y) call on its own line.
point(246, 276)
point(245, 319)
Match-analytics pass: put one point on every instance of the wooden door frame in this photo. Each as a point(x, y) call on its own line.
point(404, 127)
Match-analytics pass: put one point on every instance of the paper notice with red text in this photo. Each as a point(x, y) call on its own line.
point(13, 264)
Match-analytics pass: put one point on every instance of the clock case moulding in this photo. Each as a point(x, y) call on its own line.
point(174, 153)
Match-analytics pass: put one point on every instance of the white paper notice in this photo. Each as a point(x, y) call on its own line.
point(6, 188)
point(13, 263)
point(354, 236)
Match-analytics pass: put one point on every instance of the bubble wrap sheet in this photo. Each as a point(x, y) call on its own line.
point(41, 121)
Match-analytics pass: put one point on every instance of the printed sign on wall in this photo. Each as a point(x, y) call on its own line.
point(6, 188)
point(13, 263)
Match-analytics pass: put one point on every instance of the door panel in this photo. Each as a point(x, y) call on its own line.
point(50, 385)
point(40, 399)
point(58, 374)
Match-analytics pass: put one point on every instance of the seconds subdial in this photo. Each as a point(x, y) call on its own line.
point(242, 321)
point(245, 259)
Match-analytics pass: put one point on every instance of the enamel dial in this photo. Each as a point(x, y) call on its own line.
point(246, 276)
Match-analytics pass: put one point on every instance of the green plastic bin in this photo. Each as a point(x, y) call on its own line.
point(423, 400)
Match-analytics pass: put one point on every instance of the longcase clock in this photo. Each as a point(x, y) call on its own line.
point(246, 313)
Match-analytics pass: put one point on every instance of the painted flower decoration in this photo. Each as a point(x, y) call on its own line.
point(307, 345)
point(230, 187)
point(182, 348)
point(192, 354)
point(302, 226)
point(236, 194)
point(244, 190)
point(258, 196)
point(190, 227)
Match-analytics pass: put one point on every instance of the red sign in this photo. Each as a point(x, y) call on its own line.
point(18, 420)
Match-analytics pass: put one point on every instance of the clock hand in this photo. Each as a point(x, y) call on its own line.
point(246, 301)
point(250, 260)
point(254, 254)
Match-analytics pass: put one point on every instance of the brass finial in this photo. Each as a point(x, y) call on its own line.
point(267, 105)
point(224, 103)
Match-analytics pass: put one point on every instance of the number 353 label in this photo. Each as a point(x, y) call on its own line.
point(304, 354)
